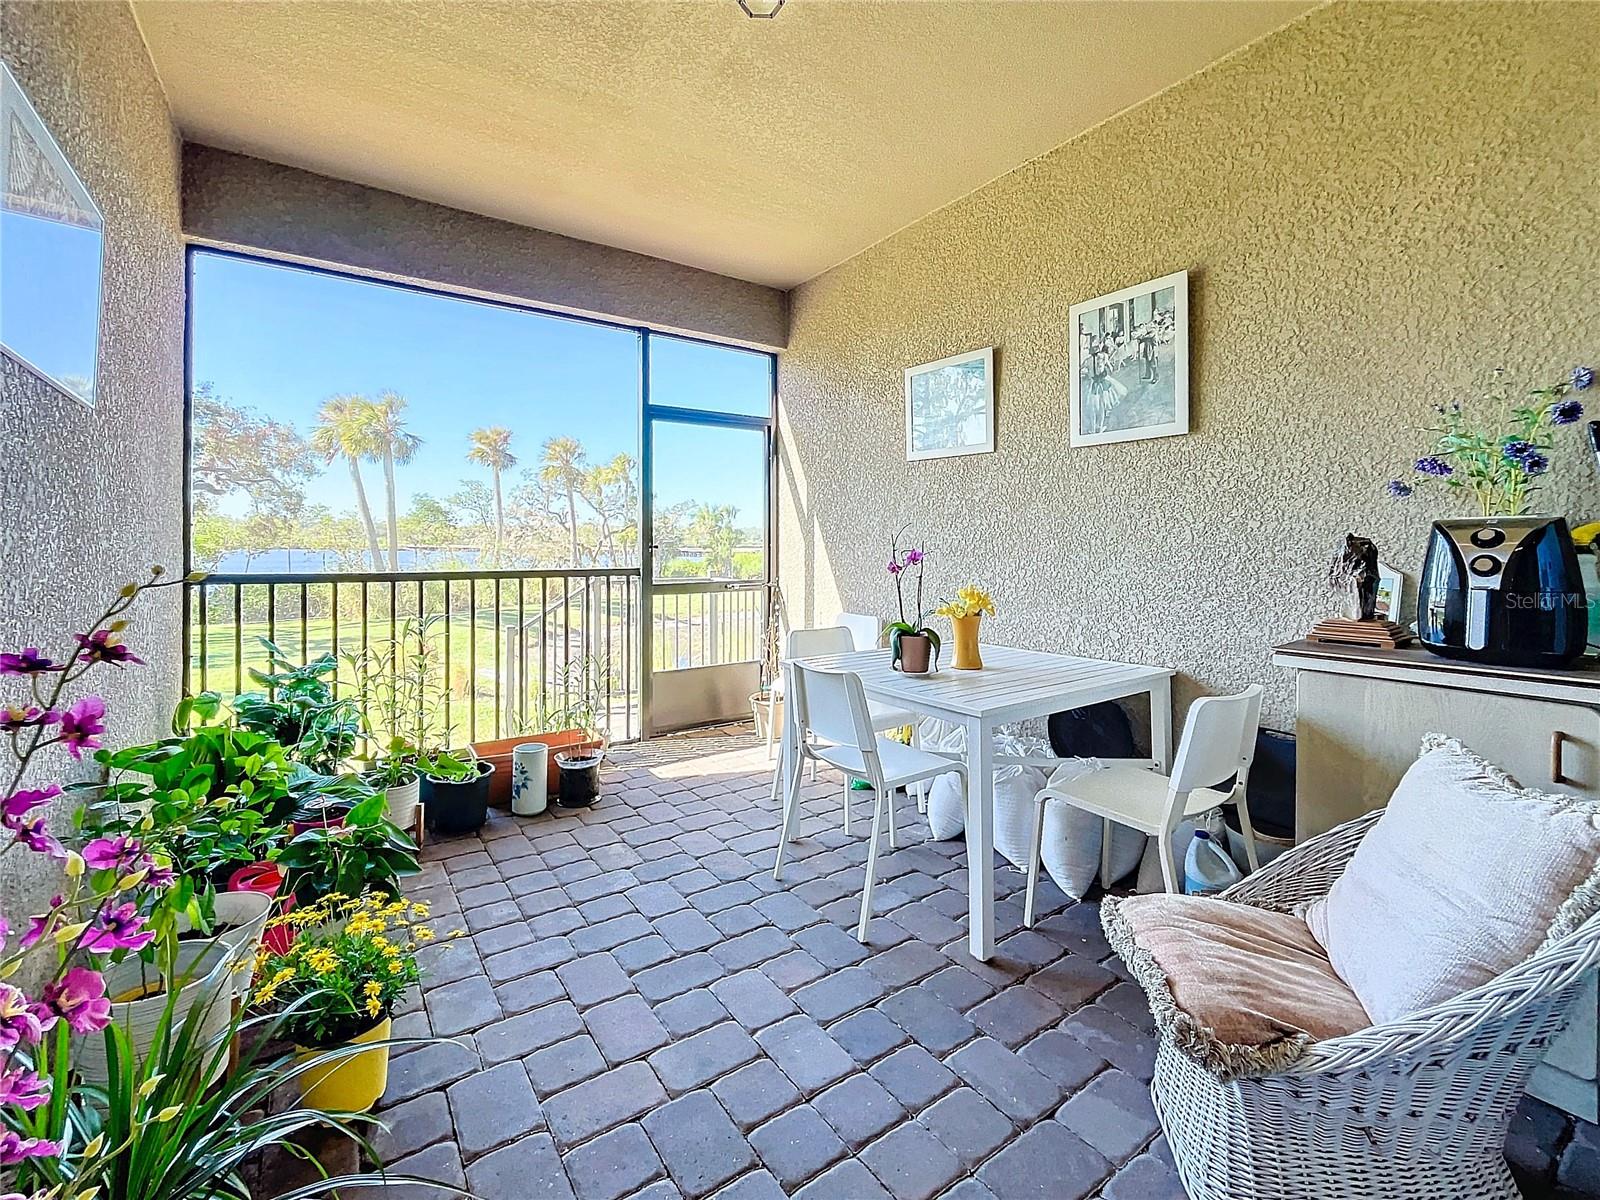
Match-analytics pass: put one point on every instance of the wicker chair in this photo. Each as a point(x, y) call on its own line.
point(1416, 1109)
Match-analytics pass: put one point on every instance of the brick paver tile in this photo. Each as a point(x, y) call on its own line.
point(522, 1035)
point(493, 1106)
point(613, 1165)
point(1047, 1163)
point(805, 1053)
point(625, 1028)
point(838, 993)
point(796, 1145)
point(593, 978)
point(914, 1077)
point(700, 1145)
point(695, 1061)
point(753, 999)
point(968, 1125)
point(621, 1094)
point(564, 1064)
point(673, 978)
point(848, 1180)
point(859, 1109)
point(755, 1092)
point(527, 1169)
point(1113, 1114)
point(911, 1163)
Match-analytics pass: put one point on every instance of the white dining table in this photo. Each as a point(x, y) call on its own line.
point(1014, 685)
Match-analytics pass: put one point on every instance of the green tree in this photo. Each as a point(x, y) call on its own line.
point(238, 451)
point(428, 523)
point(611, 490)
point(712, 529)
point(397, 445)
point(563, 469)
point(492, 448)
point(345, 430)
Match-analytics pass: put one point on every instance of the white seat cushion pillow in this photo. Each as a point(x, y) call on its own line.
point(1463, 877)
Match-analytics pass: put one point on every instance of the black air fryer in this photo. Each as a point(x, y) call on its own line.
point(1503, 590)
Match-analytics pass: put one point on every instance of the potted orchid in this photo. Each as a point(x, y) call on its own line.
point(912, 645)
point(1500, 464)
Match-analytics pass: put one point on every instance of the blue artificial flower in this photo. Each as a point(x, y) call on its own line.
point(1582, 377)
point(1517, 451)
point(1535, 464)
point(1399, 488)
point(1565, 412)
point(1432, 465)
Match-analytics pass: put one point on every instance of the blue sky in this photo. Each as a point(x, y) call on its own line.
point(281, 340)
point(49, 293)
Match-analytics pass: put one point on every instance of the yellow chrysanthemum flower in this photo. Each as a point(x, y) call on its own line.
point(422, 933)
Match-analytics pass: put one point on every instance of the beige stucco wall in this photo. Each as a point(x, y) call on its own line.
point(234, 200)
point(1376, 205)
point(90, 498)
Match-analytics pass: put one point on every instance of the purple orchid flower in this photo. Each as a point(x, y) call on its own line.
point(14, 1148)
point(23, 1089)
point(896, 566)
point(82, 725)
point(117, 927)
point(79, 999)
point(13, 719)
point(36, 836)
point(21, 1022)
point(28, 662)
point(104, 646)
point(115, 854)
point(913, 558)
point(19, 804)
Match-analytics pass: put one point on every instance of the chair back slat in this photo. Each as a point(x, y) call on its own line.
point(814, 643)
point(865, 630)
point(833, 706)
point(1219, 740)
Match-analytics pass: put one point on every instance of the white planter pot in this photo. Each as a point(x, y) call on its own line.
point(530, 775)
point(204, 980)
point(767, 710)
point(241, 919)
point(402, 804)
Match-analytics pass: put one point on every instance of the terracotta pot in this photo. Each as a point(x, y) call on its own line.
point(500, 750)
point(916, 652)
point(966, 635)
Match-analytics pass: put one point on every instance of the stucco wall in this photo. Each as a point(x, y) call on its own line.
point(1377, 205)
point(234, 200)
point(90, 498)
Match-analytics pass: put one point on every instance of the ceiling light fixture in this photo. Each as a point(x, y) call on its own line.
point(761, 10)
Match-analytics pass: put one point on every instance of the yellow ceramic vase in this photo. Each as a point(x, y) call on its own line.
point(966, 635)
point(351, 1084)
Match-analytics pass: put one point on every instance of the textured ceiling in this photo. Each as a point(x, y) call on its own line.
point(767, 150)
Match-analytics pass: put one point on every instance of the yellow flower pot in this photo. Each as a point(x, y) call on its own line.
point(351, 1084)
point(966, 635)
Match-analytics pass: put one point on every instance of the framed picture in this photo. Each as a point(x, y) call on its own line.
point(950, 406)
point(1130, 363)
point(52, 233)
point(1391, 593)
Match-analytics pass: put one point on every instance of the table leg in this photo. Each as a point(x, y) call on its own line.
point(980, 838)
point(1161, 724)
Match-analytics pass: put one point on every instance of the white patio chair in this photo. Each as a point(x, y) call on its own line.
point(1415, 1108)
point(834, 725)
point(814, 643)
point(1219, 740)
point(865, 629)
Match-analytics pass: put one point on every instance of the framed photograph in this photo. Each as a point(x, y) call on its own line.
point(1130, 363)
point(50, 271)
point(1391, 593)
point(950, 406)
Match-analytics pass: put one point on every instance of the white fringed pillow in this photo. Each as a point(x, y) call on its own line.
point(1464, 876)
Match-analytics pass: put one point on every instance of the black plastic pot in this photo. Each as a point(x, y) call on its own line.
point(580, 779)
point(453, 806)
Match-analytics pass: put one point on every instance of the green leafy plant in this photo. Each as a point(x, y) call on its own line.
point(447, 768)
point(580, 689)
point(300, 711)
point(401, 694)
point(367, 852)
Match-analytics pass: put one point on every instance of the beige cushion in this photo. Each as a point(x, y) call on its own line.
point(1240, 989)
point(1464, 876)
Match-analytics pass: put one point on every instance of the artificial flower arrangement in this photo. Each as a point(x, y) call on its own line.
point(910, 642)
point(1500, 465)
point(971, 604)
point(970, 601)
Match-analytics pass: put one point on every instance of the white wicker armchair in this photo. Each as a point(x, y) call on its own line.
point(1416, 1109)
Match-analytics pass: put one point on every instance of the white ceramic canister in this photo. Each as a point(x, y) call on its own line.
point(530, 779)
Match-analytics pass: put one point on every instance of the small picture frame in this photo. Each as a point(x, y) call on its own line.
point(1391, 593)
point(1129, 358)
point(950, 406)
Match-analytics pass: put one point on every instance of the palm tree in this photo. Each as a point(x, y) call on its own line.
point(344, 430)
point(563, 468)
point(397, 445)
point(492, 448)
